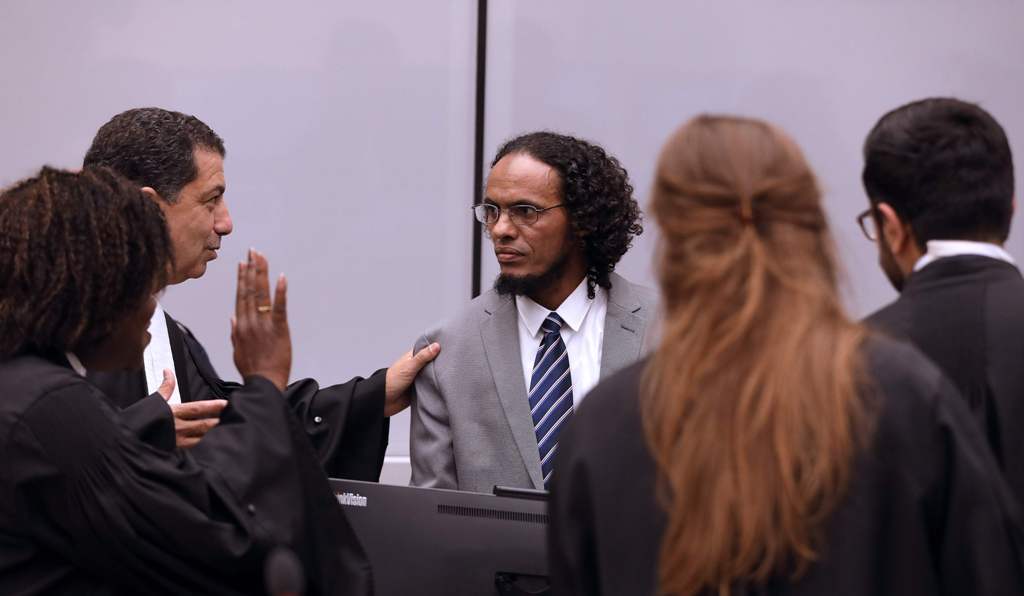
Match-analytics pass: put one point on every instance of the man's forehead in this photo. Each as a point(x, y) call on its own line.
point(521, 171)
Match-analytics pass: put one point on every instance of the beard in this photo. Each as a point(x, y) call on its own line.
point(889, 266)
point(527, 285)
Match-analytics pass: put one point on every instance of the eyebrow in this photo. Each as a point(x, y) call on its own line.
point(516, 201)
point(216, 190)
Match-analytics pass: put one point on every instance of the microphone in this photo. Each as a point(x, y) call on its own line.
point(283, 574)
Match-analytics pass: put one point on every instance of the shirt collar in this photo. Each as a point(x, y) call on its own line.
point(76, 364)
point(158, 319)
point(939, 249)
point(572, 310)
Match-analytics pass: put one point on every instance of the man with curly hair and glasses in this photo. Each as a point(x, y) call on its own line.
point(518, 359)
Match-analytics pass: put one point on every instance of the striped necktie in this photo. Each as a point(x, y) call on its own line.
point(550, 392)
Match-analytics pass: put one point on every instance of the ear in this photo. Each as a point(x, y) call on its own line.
point(152, 194)
point(896, 234)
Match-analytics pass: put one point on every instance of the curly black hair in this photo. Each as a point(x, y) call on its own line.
point(153, 147)
point(77, 252)
point(596, 191)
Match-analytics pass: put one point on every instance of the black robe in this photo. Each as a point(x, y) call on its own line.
point(86, 507)
point(926, 512)
point(966, 313)
point(345, 422)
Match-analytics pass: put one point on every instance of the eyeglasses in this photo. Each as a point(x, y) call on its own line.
point(521, 215)
point(866, 221)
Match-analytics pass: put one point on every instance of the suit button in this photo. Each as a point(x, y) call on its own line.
point(317, 419)
point(251, 509)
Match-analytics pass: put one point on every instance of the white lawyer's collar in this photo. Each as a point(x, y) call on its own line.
point(75, 363)
point(572, 310)
point(940, 249)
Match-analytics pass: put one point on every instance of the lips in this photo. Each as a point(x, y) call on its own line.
point(507, 255)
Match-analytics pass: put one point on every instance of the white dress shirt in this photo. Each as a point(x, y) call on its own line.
point(158, 355)
point(938, 249)
point(583, 334)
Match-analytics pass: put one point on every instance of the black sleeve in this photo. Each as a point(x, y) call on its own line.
point(197, 521)
point(571, 524)
point(345, 422)
point(152, 421)
point(978, 545)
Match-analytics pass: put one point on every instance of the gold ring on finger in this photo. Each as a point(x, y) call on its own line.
point(264, 309)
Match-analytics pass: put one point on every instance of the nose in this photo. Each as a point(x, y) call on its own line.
point(222, 220)
point(503, 228)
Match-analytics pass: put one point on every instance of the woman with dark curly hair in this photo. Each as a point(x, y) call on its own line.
point(560, 214)
point(770, 445)
point(86, 505)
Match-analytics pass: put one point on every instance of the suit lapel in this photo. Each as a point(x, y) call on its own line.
point(500, 333)
point(180, 364)
point(195, 365)
point(624, 327)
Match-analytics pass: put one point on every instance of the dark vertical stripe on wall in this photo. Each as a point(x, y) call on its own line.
point(478, 141)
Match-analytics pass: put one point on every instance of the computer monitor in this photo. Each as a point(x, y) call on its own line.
point(443, 542)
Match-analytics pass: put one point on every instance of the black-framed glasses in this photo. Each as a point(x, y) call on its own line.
point(521, 215)
point(868, 225)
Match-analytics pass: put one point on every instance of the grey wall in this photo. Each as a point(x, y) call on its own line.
point(349, 130)
point(626, 74)
point(349, 126)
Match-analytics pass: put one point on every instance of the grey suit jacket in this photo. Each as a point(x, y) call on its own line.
point(471, 426)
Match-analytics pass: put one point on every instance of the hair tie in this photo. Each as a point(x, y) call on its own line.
point(746, 213)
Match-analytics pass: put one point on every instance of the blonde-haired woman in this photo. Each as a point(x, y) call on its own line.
point(770, 445)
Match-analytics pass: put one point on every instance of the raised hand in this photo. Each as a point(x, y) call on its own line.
point(259, 329)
